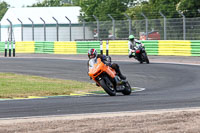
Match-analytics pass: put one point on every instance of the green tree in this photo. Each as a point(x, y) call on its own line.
point(170, 8)
point(76, 2)
point(4, 7)
point(151, 10)
point(190, 8)
point(167, 7)
point(101, 8)
point(153, 7)
point(135, 11)
point(51, 3)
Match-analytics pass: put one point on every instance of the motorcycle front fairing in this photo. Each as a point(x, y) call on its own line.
point(97, 67)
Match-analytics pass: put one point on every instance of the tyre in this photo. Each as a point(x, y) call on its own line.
point(145, 57)
point(147, 60)
point(108, 86)
point(127, 90)
point(139, 57)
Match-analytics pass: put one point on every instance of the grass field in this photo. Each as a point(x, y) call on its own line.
point(17, 85)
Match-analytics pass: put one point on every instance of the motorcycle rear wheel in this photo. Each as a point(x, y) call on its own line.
point(127, 90)
point(106, 86)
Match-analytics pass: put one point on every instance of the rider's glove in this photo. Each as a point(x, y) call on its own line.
point(107, 63)
point(133, 51)
point(142, 44)
point(108, 59)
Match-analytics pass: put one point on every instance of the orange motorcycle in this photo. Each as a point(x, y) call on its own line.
point(106, 77)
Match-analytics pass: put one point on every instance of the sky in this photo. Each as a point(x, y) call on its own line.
point(20, 3)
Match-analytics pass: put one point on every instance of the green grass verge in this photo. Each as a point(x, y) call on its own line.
point(17, 85)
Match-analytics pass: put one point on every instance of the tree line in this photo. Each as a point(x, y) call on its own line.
point(117, 8)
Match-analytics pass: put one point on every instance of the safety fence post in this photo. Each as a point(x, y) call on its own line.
point(44, 28)
point(146, 23)
point(165, 35)
point(130, 23)
point(97, 20)
point(184, 25)
point(32, 28)
point(70, 28)
point(113, 24)
point(22, 27)
point(57, 28)
point(82, 19)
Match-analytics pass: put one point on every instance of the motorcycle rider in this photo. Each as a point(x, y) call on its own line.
point(132, 43)
point(92, 55)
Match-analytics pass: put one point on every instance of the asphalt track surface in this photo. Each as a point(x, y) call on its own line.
point(166, 86)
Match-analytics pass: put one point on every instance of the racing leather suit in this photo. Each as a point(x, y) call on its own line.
point(107, 60)
point(132, 45)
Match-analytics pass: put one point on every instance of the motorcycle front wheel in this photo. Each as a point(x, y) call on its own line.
point(145, 57)
point(108, 86)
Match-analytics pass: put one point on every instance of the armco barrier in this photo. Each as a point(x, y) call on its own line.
point(2, 47)
point(161, 47)
point(44, 47)
point(151, 47)
point(65, 47)
point(116, 47)
point(25, 47)
point(174, 47)
point(83, 47)
point(195, 45)
point(39, 47)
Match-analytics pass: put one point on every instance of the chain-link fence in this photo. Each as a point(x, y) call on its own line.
point(146, 29)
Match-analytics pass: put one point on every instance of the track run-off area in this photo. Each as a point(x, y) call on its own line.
point(169, 82)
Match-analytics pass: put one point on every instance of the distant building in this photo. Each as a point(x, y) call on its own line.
point(25, 31)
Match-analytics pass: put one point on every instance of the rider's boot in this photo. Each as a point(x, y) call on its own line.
point(130, 56)
point(118, 72)
point(121, 75)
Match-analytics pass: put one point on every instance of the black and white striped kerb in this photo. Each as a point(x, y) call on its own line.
point(14, 48)
point(6, 46)
point(11, 46)
point(10, 42)
point(101, 47)
point(107, 47)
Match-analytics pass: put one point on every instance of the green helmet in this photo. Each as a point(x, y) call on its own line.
point(131, 37)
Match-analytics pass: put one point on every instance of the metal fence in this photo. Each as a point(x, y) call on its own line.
point(146, 29)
